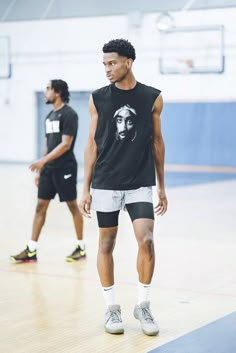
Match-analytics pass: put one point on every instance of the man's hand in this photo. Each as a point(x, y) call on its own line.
point(84, 205)
point(36, 179)
point(161, 208)
point(37, 165)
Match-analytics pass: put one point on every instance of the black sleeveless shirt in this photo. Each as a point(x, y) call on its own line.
point(124, 137)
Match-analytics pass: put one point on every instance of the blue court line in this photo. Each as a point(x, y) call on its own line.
point(217, 337)
point(175, 179)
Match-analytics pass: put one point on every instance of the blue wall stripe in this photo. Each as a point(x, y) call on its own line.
point(200, 133)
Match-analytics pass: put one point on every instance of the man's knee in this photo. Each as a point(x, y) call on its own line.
point(107, 240)
point(42, 206)
point(73, 206)
point(146, 242)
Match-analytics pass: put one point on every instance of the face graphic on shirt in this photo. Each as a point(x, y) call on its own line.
point(125, 120)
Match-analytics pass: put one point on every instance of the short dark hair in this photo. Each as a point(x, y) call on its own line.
point(120, 46)
point(61, 87)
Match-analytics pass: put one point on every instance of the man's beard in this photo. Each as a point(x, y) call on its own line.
point(48, 102)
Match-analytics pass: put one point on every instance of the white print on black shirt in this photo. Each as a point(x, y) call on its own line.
point(125, 119)
point(52, 126)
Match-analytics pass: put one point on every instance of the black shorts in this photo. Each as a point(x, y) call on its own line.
point(136, 210)
point(60, 180)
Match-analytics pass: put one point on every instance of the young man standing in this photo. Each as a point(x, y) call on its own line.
point(121, 172)
point(56, 171)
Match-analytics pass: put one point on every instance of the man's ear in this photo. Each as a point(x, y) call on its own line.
point(129, 62)
point(58, 94)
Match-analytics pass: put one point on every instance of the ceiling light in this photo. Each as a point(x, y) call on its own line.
point(164, 21)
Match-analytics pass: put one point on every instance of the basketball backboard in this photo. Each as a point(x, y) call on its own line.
point(191, 50)
point(5, 65)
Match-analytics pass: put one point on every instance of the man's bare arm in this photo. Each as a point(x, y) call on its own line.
point(159, 155)
point(58, 151)
point(90, 156)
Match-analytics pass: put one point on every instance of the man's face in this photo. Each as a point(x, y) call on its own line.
point(124, 123)
point(116, 66)
point(50, 95)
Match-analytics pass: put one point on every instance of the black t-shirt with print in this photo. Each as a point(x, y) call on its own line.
point(124, 137)
point(61, 122)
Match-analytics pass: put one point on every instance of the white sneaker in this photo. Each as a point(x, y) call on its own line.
point(143, 313)
point(113, 321)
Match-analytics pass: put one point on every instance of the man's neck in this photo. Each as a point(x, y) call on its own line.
point(58, 105)
point(127, 83)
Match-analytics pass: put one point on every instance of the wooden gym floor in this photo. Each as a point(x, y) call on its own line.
point(57, 307)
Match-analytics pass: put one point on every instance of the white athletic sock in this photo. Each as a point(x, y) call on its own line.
point(81, 244)
point(32, 245)
point(109, 295)
point(143, 292)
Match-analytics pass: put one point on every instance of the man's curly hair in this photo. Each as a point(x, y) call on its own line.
point(120, 46)
point(61, 87)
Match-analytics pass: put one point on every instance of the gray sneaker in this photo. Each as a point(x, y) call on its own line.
point(113, 321)
point(143, 313)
